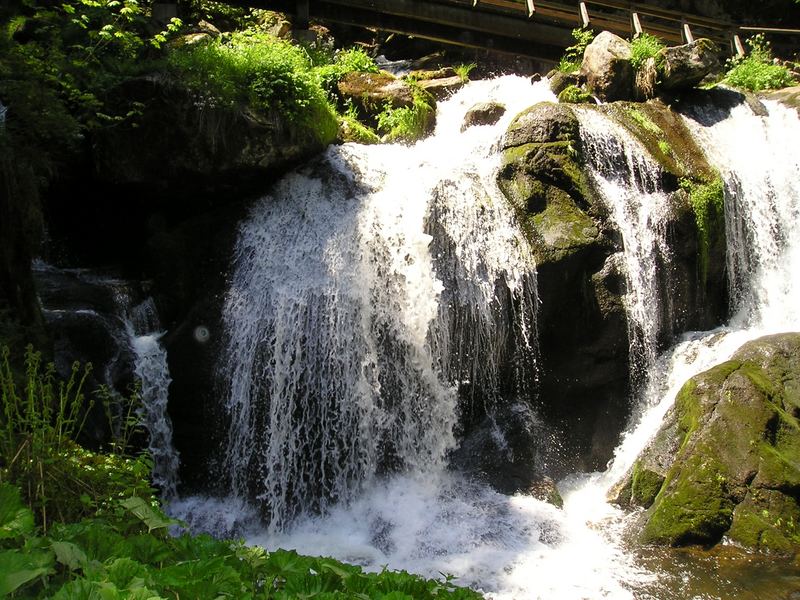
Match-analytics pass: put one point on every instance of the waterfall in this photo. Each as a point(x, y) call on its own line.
point(379, 291)
point(151, 369)
point(629, 184)
point(367, 288)
point(95, 318)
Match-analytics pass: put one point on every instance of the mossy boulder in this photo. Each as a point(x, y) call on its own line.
point(728, 455)
point(583, 329)
point(687, 65)
point(371, 93)
point(483, 113)
point(200, 147)
point(607, 67)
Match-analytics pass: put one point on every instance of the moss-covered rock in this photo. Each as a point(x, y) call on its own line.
point(733, 447)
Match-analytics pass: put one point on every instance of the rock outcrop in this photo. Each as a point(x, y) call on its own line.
point(726, 461)
point(607, 67)
point(583, 328)
point(483, 113)
point(685, 66)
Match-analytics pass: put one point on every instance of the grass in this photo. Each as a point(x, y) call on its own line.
point(464, 70)
point(573, 55)
point(574, 95)
point(756, 71)
point(644, 47)
point(408, 123)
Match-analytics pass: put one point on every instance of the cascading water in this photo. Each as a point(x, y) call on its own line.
point(629, 183)
point(355, 283)
point(371, 265)
point(150, 368)
point(122, 337)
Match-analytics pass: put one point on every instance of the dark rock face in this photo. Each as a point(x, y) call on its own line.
point(199, 146)
point(582, 327)
point(506, 451)
point(483, 113)
point(685, 66)
point(726, 461)
point(583, 330)
point(607, 67)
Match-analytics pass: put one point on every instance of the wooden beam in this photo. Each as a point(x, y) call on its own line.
point(584, 14)
point(301, 15)
point(687, 34)
point(738, 47)
point(636, 24)
point(531, 8)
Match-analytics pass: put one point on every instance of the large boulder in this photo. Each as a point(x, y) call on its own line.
point(726, 461)
point(483, 113)
point(685, 66)
point(607, 67)
point(197, 147)
point(583, 328)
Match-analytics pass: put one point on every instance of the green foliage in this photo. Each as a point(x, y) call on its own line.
point(344, 61)
point(407, 123)
point(124, 556)
point(756, 71)
point(463, 71)
point(573, 55)
point(254, 68)
point(59, 479)
point(574, 94)
point(708, 204)
point(644, 47)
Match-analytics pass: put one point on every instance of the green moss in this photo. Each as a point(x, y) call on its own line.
point(352, 130)
point(572, 94)
point(708, 204)
point(643, 121)
point(693, 506)
point(767, 520)
point(645, 485)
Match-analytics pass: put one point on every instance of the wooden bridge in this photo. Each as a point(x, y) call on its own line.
point(539, 29)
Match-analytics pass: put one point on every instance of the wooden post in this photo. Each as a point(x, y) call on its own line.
point(474, 3)
point(584, 14)
point(531, 8)
point(636, 24)
point(687, 33)
point(301, 15)
point(737, 45)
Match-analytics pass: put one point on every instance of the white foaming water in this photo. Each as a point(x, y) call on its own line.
point(344, 349)
point(629, 183)
point(759, 159)
point(151, 369)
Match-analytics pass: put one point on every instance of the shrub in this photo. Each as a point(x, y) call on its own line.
point(407, 123)
point(59, 479)
point(644, 47)
point(756, 71)
point(463, 71)
point(344, 61)
point(574, 95)
point(573, 55)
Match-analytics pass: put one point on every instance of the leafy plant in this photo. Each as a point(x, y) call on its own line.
point(407, 123)
point(756, 71)
point(643, 47)
point(40, 422)
point(344, 61)
point(574, 94)
point(464, 70)
point(573, 55)
point(258, 69)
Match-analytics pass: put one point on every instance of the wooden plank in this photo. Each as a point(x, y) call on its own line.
point(636, 24)
point(687, 34)
point(584, 14)
point(738, 47)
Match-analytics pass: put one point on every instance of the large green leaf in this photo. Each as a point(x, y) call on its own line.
point(70, 555)
point(154, 519)
point(17, 568)
point(15, 519)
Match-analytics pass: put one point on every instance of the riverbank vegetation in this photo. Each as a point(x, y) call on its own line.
point(78, 524)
